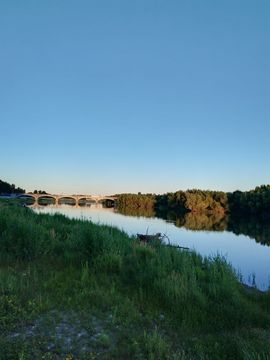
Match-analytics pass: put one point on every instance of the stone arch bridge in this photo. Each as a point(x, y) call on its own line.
point(77, 198)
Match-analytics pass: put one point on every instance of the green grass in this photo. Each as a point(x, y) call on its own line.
point(73, 289)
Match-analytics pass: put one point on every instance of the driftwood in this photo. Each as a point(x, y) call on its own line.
point(178, 247)
point(145, 238)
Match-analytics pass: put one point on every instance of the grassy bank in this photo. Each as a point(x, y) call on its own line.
point(73, 289)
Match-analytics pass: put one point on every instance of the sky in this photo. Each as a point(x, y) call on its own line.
point(104, 97)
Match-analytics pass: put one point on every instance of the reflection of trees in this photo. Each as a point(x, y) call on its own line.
point(137, 212)
point(255, 227)
point(198, 221)
point(213, 222)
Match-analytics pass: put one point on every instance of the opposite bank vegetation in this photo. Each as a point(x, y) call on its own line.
point(70, 289)
point(253, 202)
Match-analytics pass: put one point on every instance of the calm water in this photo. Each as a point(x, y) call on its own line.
point(249, 254)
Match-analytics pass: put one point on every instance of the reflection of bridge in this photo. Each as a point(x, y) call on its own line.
point(95, 206)
point(77, 198)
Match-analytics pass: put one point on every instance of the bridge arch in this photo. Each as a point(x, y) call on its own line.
point(27, 197)
point(46, 196)
point(109, 201)
point(86, 200)
point(67, 197)
point(21, 196)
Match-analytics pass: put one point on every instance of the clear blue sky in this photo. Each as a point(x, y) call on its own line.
point(115, 96)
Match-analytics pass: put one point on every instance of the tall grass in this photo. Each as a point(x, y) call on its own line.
point(197, 294)
point(198, 291)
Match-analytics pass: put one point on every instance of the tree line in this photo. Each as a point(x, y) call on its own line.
point(193, 201)
point(136, 201)
point(6, 188)
point(255, 201)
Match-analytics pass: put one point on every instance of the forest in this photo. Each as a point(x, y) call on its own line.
point(6, 188)
point(254, 202)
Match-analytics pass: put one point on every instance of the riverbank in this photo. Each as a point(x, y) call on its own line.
point(70, 288)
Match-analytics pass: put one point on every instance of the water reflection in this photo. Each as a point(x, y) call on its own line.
point(70, 206)
point(205, 222)
point(257, 228)
point(254, 227)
